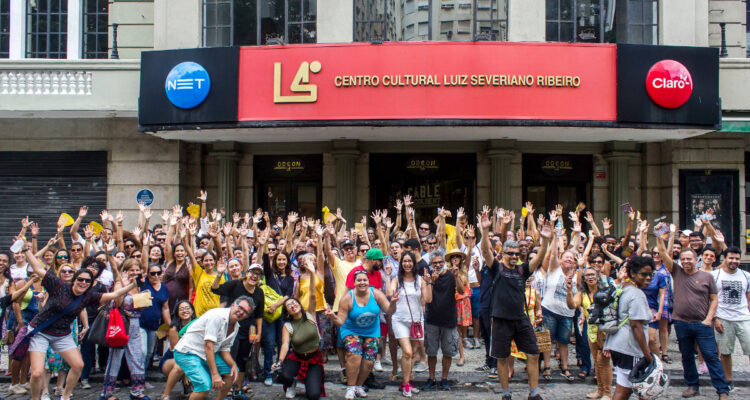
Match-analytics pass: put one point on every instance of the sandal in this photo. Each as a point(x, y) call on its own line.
point(460, 363)
point(666, 359)
point(547, 374)
point(394, 377)
point(583, 374)
point(567, 375)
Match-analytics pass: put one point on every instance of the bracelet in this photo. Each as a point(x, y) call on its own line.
point(428, 283)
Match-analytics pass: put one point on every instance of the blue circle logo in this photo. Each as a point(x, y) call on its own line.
point(187, 85)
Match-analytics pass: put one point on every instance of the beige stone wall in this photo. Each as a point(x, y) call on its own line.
point(526, 21)
point(335, 21)
point(732, 13)
point(135, 160)
point(178, 24)
point(135, 32)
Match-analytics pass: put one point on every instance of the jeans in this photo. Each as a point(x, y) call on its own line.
point(148, 339)
point(583, 352)
point(485, 326)
point(270, 339)
point(89, 352)
point(690, 333)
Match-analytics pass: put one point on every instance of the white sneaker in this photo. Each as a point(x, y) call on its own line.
point(45, 396)
point(25, 386)
point(18, 389)
point(350, 393)
point(420, 367)
point(405, 391)
point(386, 360)
point(413, 389)
point(268, 381)
point(360, 390)
point(291, 391)
point(378, 366)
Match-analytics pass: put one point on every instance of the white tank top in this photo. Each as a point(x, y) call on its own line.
point(412, 291)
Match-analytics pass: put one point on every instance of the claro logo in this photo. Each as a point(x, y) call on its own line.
point(669, 84)
point(187, 85)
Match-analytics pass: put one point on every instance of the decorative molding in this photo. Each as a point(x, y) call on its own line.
point(46, 82)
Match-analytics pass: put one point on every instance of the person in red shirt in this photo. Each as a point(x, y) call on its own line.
point(373, 263)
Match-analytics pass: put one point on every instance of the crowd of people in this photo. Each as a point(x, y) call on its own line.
point(206, 295)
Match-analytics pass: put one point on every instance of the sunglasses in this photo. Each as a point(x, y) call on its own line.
point(646, 274)
point(129, 246)
point(155, 273)
point(432, 243)
point(84, 280)
point(135, 256)
point(511, 253)
point(60, 257)
point(271, 249)
point(66, 271)
point(76, 250)
point(348, 248)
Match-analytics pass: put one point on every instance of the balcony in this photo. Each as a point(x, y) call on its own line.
point(69, 88)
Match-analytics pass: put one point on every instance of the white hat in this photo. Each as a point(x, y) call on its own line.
point(686, 232)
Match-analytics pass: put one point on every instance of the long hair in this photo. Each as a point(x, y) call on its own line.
point(288, 317)
point(288, 268)
point(176, 321)
point(402, 273)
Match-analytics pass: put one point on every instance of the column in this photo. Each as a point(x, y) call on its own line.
point(75, 30)
point(500, 153)
point(526, 21)
point(346, 153)
point(227, 156)
point(17, 29)
point(335, 21)
point(618, 155)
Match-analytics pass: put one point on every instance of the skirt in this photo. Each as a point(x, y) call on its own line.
point(464, 312)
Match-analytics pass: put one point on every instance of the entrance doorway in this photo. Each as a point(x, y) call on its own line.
point(549, 180)
point(289, 183)
point(433, 180)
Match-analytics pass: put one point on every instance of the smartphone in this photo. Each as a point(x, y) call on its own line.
point(626, 208)
point(580, 207)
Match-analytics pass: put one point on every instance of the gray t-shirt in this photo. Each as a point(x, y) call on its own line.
point(633, 304)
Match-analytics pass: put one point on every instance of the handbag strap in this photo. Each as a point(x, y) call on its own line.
point(56, 317)
point(406, 297)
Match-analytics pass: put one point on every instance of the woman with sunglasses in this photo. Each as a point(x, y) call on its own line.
point(61, 257)
point(58, 335)
point(158, 312)
point(98, 268)
point(76, 254)
point(182, 316)
point(129, 271)
point(55, 363)
point(592, 280)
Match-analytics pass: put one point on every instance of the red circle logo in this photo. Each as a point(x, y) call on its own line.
point(669, 84)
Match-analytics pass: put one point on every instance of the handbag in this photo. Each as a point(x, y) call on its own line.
point(543, 339)
point(270, 297)
point(415, 330)
point(23, 339)
point(97, 333)
point(117, 336)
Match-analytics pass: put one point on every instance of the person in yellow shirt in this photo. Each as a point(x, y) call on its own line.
point(204, 273)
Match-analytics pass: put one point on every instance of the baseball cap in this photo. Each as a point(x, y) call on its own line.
point(374, 254)
point(347, 242)
point(256, 266)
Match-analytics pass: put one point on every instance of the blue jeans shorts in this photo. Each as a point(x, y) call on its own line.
point(196, 369)
point(559, 326)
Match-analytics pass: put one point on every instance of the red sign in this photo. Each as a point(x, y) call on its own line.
point(433, 80)
point(669, 84)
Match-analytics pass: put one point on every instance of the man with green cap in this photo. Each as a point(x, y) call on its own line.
point(373, 264)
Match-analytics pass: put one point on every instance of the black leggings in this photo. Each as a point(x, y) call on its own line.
point(241, 352)
point(313, 381)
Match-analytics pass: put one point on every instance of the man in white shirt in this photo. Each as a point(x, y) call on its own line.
point(210, 336)
point(733, 314)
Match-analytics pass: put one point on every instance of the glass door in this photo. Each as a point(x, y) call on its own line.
point(280, 198)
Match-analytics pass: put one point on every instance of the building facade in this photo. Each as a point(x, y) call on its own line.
point(70, 81)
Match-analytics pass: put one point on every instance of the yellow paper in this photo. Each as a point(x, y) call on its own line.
point(68, 219)
point(162, 332)
point(326, 212)
point(96, 227)
point(358, 226)
point(142, 299)
point(524, 212)
point(450, 233)
point(194, 210)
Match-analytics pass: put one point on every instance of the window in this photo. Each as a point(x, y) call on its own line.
point(47, 28)
point(369, 20)
point(453, 20)
point(602, 21)
point(4, 28)
point(95, 20)
point(259, 22)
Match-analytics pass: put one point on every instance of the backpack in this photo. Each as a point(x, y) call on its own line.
point(604, 310)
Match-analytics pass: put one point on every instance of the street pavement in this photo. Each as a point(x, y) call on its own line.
point(467, 383)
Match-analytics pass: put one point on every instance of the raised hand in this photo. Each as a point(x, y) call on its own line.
point(104, 215)
point(88, 232)
point(203, 196)
point(339, 216)
point(376, 216)
point(110, 246)
point(192, 229)
point(606, 224)
point(460, 213)
point(471, 232)
point(388, 223)
point(83, 211)
point(25, 222)
point(573, 216)
point(407, 200)
point(147, 213)
point(576, 227)
point(236, 218)
point(292, 218)
point(165, 216)
point(546, 231)
point(399, 204)
point(530, 207)
point(227, 229)
point(146, 238)
point(136, 231)
point(589, 217)
point(484, 219)
point(221, 267)
point(119, 217)
point(34, 227)
point(141, 206)
point(553, 215)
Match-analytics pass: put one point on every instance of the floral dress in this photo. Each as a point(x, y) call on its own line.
point(463, 305)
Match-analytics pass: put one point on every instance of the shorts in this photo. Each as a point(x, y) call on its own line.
point(196, 369)
point(623, 364)
point(367, 347)
point(325, 329)
point(402, 329)
point(475, 302)
point(443, 339)
point(41, 341)
point(503, 331)
point(733, 329)
point(559, 326)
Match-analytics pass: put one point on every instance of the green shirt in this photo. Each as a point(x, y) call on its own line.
point(303, 334)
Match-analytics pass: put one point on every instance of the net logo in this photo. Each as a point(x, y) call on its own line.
point(187, 85)
point(669, 84)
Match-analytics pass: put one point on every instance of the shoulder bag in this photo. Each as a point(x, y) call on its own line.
point(415, 331)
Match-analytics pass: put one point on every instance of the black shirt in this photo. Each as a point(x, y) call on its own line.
point(508, 292)
point(92, 310)
point(231, 291)
point(442, 310)
point(421, 267)
point(60, 296)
